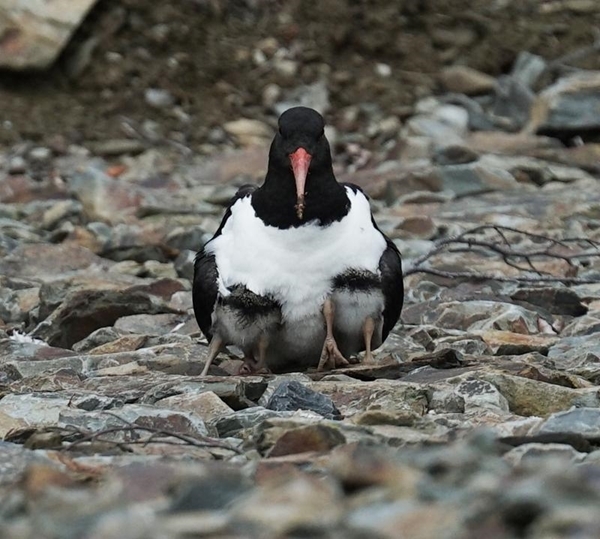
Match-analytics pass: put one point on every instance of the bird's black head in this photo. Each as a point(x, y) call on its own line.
point(301, 127)
point(300, 147)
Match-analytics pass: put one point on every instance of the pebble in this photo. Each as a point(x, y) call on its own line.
point(115, 147)
point(159, 98)
point(270, 95)
point(285, 67)
point(383, 70)
point(17, 165)
point(40, 153)
point(466, 80)
point(292, 395)
point(248, 132)
point(528, 68)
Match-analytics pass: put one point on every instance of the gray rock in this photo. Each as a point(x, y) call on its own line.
point(187, 238)
point(212, 493)
point(270, 95)
point(571, 105)
point(446, 125)
point(576, 353)
point(469, 346)
point(291, 395)
point(148, 324)
point(45, 262)
point(555, 300)
point(248, 132)
point(237, 392)
point(38, 34)
point(17, 300)
point(40, 153)
point(512, 103)
point(232, 424)
point(206, 405)
point(115, 147)
point(475, 178)
point(390, 395)
point(476, 315)
point(96, 338)
point(528, 68)
point(141, 415)
point(184, 264)
point(300, 377)
point(453, 155)
point(317, 511)
point(586, 325)
point(159, 98)
point(446, 400)
point(404, 517)
point(532, 452)
point(466, 80)
point(19, 411)
point(96, 402)
point(104, 198)
point(314, 95)
point(14, 461)
point(481, 394)
point(528, 397)
point(85, 311)
point(159, 270)
point(582, 421)
point(17, 165)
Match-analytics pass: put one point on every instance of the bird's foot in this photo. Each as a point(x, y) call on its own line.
point(368, 329)
point(251, 366)
point(368, 359)
point(331, 357)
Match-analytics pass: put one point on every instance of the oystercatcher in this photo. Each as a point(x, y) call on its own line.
point(298, 274)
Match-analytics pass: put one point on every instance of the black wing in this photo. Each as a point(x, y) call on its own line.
point(390, 266)
point(205, 289)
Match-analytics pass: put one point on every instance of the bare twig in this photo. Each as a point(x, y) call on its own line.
point(82, 436)
point(521, 259)
point(488, 276)
point(562, 62)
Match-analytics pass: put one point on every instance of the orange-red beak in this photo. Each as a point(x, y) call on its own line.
point(300, 162)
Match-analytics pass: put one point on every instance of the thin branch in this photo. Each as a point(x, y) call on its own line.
point(563, 61)
point(521, 259)
point(83, 436)
point(490, 277)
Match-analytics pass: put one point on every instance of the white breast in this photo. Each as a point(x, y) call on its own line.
point(296, 265)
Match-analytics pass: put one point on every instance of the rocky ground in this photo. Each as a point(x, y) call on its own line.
point(481, 417)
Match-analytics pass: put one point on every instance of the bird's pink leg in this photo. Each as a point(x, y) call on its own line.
point(368, 329)
point(331, 357)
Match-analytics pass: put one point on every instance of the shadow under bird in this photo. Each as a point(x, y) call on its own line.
point(298, 274)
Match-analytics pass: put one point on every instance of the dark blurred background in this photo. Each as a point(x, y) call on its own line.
point(175, 71)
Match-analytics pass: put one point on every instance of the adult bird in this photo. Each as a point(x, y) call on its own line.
point(319, 281)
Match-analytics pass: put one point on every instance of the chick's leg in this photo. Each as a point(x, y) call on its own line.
point(253, 366)
point(213, 350)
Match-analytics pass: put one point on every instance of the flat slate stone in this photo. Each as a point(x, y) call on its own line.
point(291, 395)
point(582, 421)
